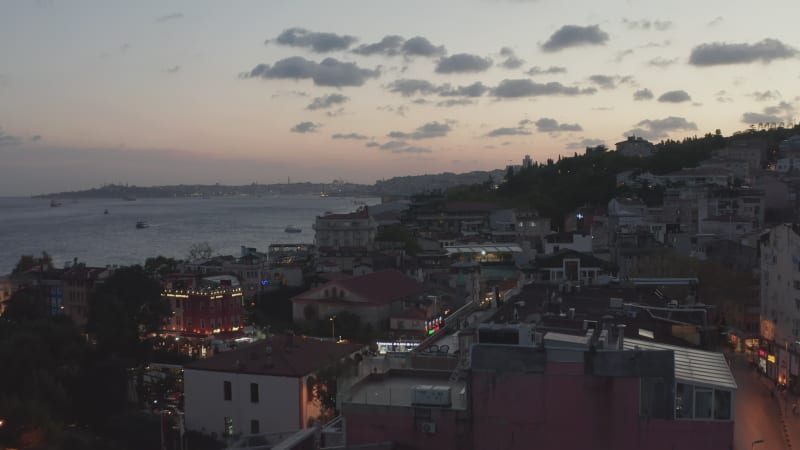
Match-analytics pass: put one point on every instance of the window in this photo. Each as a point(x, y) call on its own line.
point(254, 427)
point(226, 388)
point(254, 392)
point(722, 405)
point(684, 396)
point(703, 403)
point(228, 430)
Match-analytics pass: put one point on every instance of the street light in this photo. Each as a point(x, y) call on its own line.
point(759, 441)
point(333, 328)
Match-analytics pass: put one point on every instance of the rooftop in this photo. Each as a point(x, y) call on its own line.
point(693, 366)
point(394, 388)
point(376, 288)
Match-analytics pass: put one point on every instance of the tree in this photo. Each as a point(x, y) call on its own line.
point(27, 305)
point(28, 262)
point(201, 250)
point(125, 308)
point(160, 265)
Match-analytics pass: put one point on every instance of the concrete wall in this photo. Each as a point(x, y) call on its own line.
point(278, 409)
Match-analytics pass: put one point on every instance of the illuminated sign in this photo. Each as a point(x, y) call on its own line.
point(771, 358)
point(264, 282)
point(762, 353)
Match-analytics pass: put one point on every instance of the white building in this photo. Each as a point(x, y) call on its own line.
point(636, 146)
point(258, 389)
point(785, 165)
point(780, 297)
point(573, 240)
point(353, 230)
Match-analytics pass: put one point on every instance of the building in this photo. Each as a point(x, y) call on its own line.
point(259, 389)
point(636, 146)
point(592, 390)
point(374, 297)
point(579, 241)
point(78, 283)
point(213, 305)
point(572, 266)
point(699, 176)
point(779, 356)
point(337, 231)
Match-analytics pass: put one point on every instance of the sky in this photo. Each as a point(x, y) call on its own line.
point(169, 92)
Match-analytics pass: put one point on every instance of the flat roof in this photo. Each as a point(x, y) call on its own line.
point(697, 367)
point(395, 390)
point(478, 248)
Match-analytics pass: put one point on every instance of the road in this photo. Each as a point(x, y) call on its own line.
point(756, 413)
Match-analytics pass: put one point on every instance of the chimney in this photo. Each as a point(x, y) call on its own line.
point(621, 336)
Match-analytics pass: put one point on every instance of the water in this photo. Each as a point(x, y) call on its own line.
point(80, 229)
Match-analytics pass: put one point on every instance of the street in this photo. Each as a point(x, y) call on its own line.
point(757, 414)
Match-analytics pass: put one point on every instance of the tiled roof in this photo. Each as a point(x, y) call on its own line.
point(302, 357)
point(377, 288)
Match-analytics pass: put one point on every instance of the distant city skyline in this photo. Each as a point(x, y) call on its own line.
point(154, 93)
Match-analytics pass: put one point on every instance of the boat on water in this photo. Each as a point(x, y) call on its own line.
point(141, 224)
point(323, 194)
point(105, 212)
point(54, 203)
point(292, 229)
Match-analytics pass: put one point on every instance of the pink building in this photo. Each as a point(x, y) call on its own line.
point(563, 392)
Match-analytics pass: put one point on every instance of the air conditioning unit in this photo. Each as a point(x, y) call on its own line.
point(428, 427)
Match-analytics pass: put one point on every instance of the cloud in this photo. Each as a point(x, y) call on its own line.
point(355, 136)
point(643, 94)
point(9, 140)
point(547, 125)
point(419, 46)
point(455, 102)
point(609, 81)
point(678, 96)
point(330, 72)
point(509, 131)
point(173, 69)
point(327, 101)
point(662, 62)
point(426, 131)
point(408, 87)
point(305, 127)
point(317, 42)
point(390, 45)
point(335, 113)
point(721, 53)
point(782, 107)
point(765, 96)
point(476, 89)
point(168, 17)
point(552, 70)
point(36, 138)
point(751, 117)
point(527, 88)
point(511, 61)
point(660, 25)
point(660, 128)
point(372, 144)
point(463, 63)
point(575, 36)
point(585, 142)
point(399, 147)
point(621, 55)
point(716, 21)
point(400, 110)
point(722, 97)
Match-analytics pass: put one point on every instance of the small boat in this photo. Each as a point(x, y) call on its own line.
point(323, 194)
point(292, 229)
point(141, 224)
point(105, 212)
point(54, 203)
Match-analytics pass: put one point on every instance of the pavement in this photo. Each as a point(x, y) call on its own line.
point(759, 415)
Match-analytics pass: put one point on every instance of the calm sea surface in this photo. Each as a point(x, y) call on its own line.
point(80, 229)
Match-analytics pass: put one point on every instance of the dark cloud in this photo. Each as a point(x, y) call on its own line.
point(390, 45)
point(399, 147)
point(552, 70)
point(575, 36)
point(419, 46)
point(317, 42)
point(355, 136)
point(660, 128)
point(621, 55)
point(168, 17)
point(660, 25)
point(400, 110)
point(327, 101)
point(330, 72)
point(721, 53)
point(527, 88)
point(781, 108)
point(426, 131)
point(643, 94)
point(547, 125)
point(414, 149)
point(420, 101)
point(173, 69)
point(8, 140)
point(511, 60)
point(393, 145)
point(752, 118)
point(609, 81)
point(716, 21)
point(335, 113)
point(408, 87)
point(509, 131)
point(765, 96)
point(290, 93)
point(585, 142)
point(305, 127)
point(463, 63)
point(662, 62)
point(678, 96)
point(476, 89)
point(372, 144)
point(455, 102)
